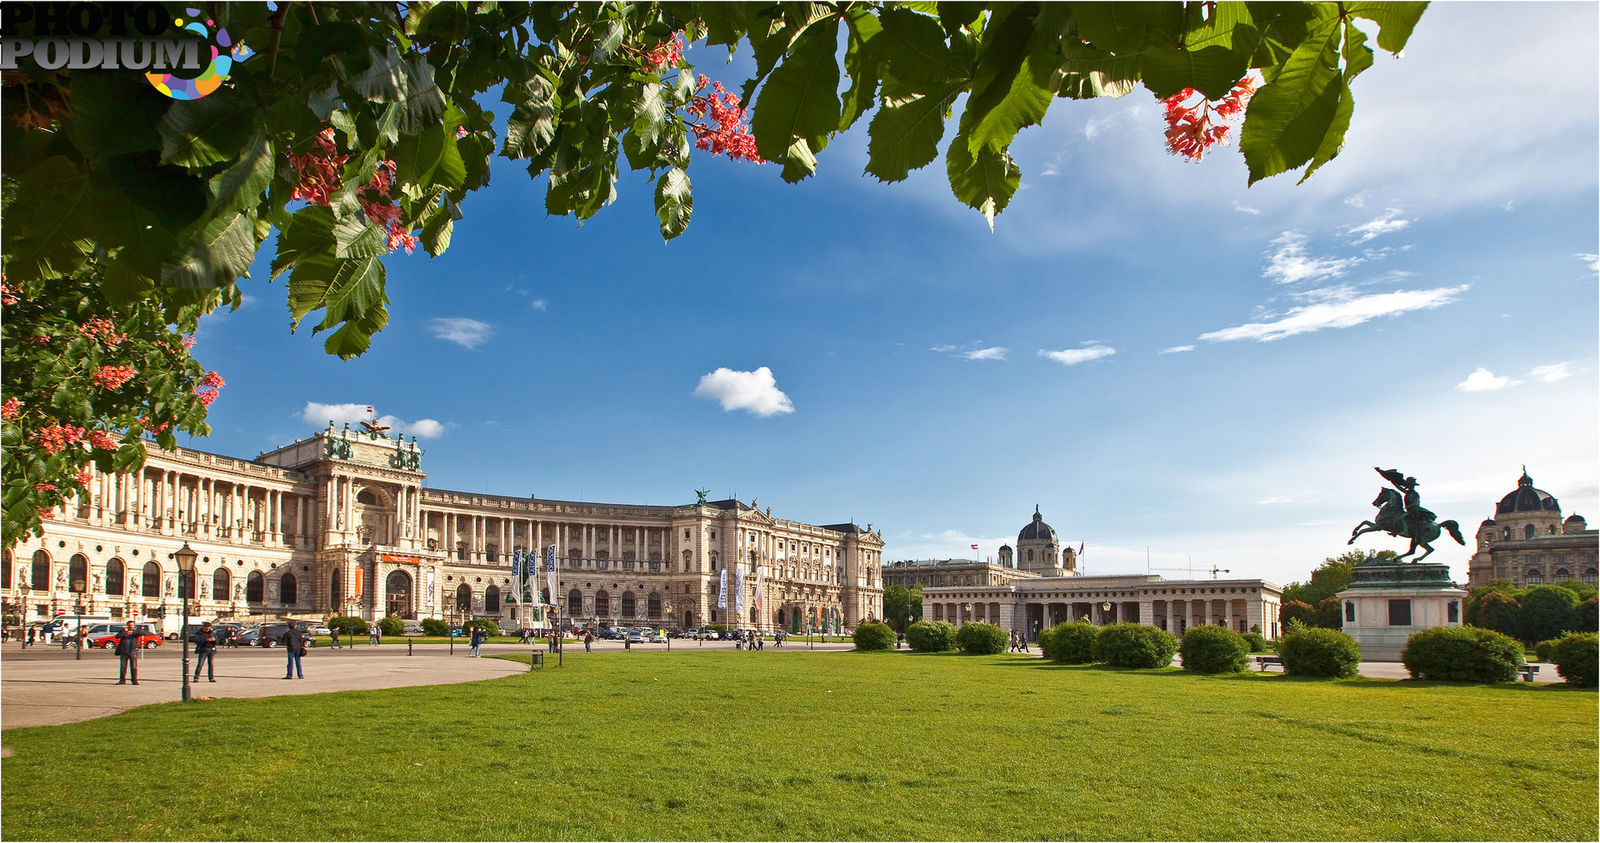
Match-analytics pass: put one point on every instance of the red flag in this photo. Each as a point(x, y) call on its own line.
point(974, 547)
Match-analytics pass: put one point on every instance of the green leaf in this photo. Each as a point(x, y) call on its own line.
point(348, 291)
point(799, 105)
point(1124, 28)
point(674, 202)
point(1395, 21)
point(1010, 89)
point(241, 185)
point(1357, 55)
point(211, 130)
point(48, 224)
point(310, 231)
point(1090, 73)
point(532, 125)
point(1211, 70)
point(861, 64)
point(905, 133)
point(914, 51)
point(1293, 117)
point(436, 232)
point(1333, 141)
point(358, 238)
point(115, 113)
point(985, 181)
point(218, 254)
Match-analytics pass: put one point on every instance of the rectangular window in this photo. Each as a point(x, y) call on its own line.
point(1400, 612)
point(1349, 611)
point(1455, 611)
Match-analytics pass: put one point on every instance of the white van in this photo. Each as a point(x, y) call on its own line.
point(68, 624)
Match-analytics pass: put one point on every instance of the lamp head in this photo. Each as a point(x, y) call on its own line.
point(185, 557)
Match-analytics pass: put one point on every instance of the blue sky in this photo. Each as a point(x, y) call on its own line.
point(1172, 366)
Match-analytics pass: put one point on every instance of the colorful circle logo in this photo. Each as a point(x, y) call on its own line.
point(223, 55)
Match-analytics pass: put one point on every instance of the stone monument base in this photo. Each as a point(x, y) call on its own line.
point(1388, 602)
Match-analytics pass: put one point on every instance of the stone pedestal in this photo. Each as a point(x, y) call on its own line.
point(1387, 603)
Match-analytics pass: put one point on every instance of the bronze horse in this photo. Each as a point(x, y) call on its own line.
point(1391, 519)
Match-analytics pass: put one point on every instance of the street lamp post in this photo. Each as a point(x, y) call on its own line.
point(78, 588)
point(185, 557)
point(1105, 612)
point(450, 609)
point(667, 607)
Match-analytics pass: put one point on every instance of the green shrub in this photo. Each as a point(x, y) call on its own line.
point(347, 625)
point(874, 636)
point(1577, 658)
point(435, 627)
point(392, 625)
point(976, 638)
point(1214, 649)
point(1462, 654)
point(715, 627)
point(489, 627)
point(1069, 643)
point(1541, 650)
point(1586, 618)
point(1314, 651)
point(931, 636)
point(1257, 643)
point(1134, 645)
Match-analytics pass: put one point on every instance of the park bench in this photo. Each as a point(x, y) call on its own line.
point(1527, 671)
point(1263, 662)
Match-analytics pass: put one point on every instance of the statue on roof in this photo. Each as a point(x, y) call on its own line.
point(702, 493)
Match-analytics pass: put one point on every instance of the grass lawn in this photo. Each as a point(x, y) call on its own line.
point(732, 745)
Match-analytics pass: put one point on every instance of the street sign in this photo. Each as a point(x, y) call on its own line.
point(60, 612)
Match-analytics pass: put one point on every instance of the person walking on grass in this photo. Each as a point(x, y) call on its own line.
point(205, 651)
point(588, 641)
point(127, 653)
point(294, 643)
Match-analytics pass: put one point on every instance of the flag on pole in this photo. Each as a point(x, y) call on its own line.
point(722, 591)
point(550, 573)
point(1080, 548)
point(738, 584)
point(516, 566)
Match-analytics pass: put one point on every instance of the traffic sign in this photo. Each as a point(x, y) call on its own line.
point(60, 612)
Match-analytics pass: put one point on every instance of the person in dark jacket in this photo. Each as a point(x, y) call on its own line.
point(294, 643)
point(477, 642)
point(128, 654)
point(205, 650)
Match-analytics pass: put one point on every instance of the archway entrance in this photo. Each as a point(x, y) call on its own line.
point(398, 592)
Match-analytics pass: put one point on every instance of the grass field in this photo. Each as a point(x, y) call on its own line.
point(733, 745)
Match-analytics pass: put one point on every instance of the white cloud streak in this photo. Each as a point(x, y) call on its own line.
point(1074, 356)
point(992, 353)
point(1290, 264)
point(1483, 380)
point(1388, 223)
point(467, 333)
point(1177, 349)
point(1338, 314)
point(756, 392)
point(318, 415)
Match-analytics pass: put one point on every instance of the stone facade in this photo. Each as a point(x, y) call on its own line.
point(340, 524)
point(929, 573)
point(1528, 542)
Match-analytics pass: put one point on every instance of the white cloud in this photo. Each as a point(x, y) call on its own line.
point(754, 391)
point(1290, 264)
point(943, 348)
point(1338, 314)
point(318, 415)
point(1387, 223)
point(1073, 356)
point(1357, 200)
point(1177, 349)
point(539, 304)
point(467, 333)
point(992, 353)
point(1551, 373)
point(1245, 209)
point(1593, 261)
point(1483, 380)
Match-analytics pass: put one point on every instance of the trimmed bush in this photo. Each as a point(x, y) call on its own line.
point(1577, 658)
point(489, 627)
point(435, 627)
point(981, 639)
point(1214, 649)
point(1541, 650)
point(1314, 651)
point(874, 636)
point(931, 636)
point(1133, 645)
point(1462, 654)
point(1069, 643)
point(1257, 643)
point(392, 625)
point(347, 625)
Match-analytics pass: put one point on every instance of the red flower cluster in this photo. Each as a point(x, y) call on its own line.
point(46, 487)
point(317, 171)
point(98, 439)
point(210, 386)
point(11, 409)
point(111, 377)
point(8, 295)
point(1195, 126)
point(156, 428)
point(83, 478)
point(728, 131)
point(386, 213)
point(103, 330)
point(666, 54)
point(188, 342)
point(56, 439)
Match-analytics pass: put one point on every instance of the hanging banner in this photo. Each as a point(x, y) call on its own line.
point(760, 585)
point(550, 573)
point(738, 584)
point(427, 591)
point(722, 591)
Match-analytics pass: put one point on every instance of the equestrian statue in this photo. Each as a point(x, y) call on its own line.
point(1400, 514)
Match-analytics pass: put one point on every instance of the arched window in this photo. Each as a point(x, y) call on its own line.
point(288, 590)
point(78, 573)
point(219, 584)
point(114, 574)
point(464, 600)
point(629, 604)
point(255, 587)
point(1562, 575)
point(1591, 576)
point(491, 600)
point(151, 580)
point(1535, 577)
point(336, 590)
point(1527, 532)
point(397, 591)
point(1506, 535)
point(5, 573)
point(688, 560)
point(653, 605)
point(574, 603)
point(1030, 554)
point(602, 604)
point(40, 576)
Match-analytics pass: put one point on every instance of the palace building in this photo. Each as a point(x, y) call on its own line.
point(1049, 592)
point(341, 524)
point(1528, 543)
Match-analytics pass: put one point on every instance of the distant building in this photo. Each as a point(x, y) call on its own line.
point(1528, 543)
point(929, 573)
point(1039, 551)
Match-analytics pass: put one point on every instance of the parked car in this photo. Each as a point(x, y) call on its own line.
point(319, 629)
point(247, 637)
point(149, 639)
point(652, 636)
point(413, 628)
point(634, 636)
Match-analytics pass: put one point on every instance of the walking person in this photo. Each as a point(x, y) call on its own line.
point(334, 631)
point(29, 639)
point(205, 651)
point(588, 641)
point(294, 643)
point(128, 654)
point(477, 642)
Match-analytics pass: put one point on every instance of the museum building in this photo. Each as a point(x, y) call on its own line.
point(1051, 590)
point(1528, 542)
point(340, 524)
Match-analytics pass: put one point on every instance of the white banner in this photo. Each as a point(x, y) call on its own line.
point(760, 585)
point(738, 583)
point(550, 574)
point(722, 591)
point(427, 592)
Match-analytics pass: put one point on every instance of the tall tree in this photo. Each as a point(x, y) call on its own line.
point(1332, 576)
point(902, 606)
